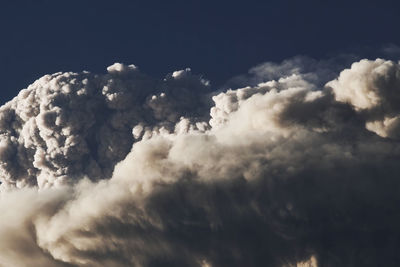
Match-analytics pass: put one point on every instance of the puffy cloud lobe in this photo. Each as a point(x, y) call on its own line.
point(287, 173)
point(69, 125)
point(372, 88)
point(274, 95)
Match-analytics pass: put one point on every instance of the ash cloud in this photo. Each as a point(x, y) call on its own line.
point(297, 169)
point(68, 125)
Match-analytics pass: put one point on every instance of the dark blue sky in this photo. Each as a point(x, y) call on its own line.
point(217, 38)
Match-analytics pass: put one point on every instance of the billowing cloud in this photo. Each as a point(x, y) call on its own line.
point(282, 173)
point(68, 125)
point(371, 87)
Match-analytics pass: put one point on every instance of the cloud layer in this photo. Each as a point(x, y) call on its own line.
point(302, 165)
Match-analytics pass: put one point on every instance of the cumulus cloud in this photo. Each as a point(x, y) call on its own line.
point(287, 172)
point(371, 88)
point(68, 125)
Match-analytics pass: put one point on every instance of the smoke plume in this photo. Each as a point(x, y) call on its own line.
point(298, 168)
point(69, 125)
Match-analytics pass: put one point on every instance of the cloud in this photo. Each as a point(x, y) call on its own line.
point(371, 88)
point(68, 125)
point(391, 50)
point(317, 72)
point(281, 173)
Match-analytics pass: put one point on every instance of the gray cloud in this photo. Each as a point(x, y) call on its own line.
point(391, 50)
point(284, 171)
point(317, 72)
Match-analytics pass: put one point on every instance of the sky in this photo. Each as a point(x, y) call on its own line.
point(219, 39)
point(199, 133)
